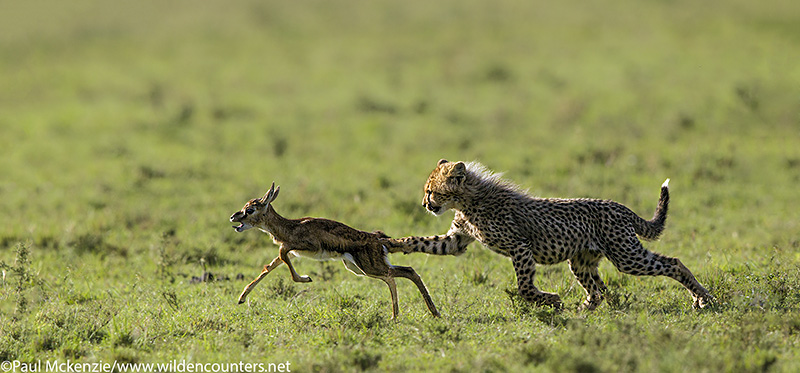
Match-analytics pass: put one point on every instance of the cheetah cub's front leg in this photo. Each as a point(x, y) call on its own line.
point(525, 268)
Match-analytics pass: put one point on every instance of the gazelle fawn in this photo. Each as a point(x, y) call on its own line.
point(363, 253)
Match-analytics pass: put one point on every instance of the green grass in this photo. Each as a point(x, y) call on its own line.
point(129, 132)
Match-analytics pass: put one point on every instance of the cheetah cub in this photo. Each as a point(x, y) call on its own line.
point(362, 253)
point(534, 231)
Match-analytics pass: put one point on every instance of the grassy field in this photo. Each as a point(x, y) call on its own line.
point(130, 131)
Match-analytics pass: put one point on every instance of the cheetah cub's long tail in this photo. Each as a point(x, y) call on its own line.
point(652, 229)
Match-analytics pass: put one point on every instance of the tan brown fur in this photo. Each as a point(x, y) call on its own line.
point(363, 253)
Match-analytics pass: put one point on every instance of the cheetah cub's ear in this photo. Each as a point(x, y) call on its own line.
point(458, 173)
point(441, 162)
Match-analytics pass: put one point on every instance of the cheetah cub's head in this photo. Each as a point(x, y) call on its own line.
point(254, 211)
point(444, 186)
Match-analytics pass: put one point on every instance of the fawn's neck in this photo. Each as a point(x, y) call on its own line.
point(274, 224)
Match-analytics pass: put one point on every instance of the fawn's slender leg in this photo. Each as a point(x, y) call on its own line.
point(411, 274)
point(393, 289)
point(284, 255)
point(267, 269)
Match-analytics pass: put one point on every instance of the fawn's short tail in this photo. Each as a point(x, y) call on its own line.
point(652, 229)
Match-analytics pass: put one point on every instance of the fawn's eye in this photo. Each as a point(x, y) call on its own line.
point(249, 210)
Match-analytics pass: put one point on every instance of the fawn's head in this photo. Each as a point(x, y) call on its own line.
point(254, 210)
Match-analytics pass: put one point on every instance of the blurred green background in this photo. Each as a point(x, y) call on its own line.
point(130, 131)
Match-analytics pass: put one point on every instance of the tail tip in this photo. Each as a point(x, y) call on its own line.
point(666, 184)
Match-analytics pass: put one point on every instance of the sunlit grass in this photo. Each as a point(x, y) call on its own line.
point(131, 132)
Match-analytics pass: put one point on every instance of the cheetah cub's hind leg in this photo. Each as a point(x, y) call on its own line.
point(584, 267)
point(639, 261)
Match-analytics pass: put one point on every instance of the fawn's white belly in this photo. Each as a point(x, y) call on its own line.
point(318, 255)
point(346, 258)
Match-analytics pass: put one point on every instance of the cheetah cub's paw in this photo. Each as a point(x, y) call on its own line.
point(702, 302)
point(552, 300)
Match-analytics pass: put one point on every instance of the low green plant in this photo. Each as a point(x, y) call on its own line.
point(131, 132)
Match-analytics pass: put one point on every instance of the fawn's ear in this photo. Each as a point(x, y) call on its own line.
point(270, 195)
point(275, 194)
point(458, 172)
point(266, 196)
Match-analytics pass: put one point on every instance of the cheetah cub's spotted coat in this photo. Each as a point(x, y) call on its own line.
point(535, 231)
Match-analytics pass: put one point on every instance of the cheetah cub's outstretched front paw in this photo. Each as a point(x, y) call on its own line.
point(394, 245)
